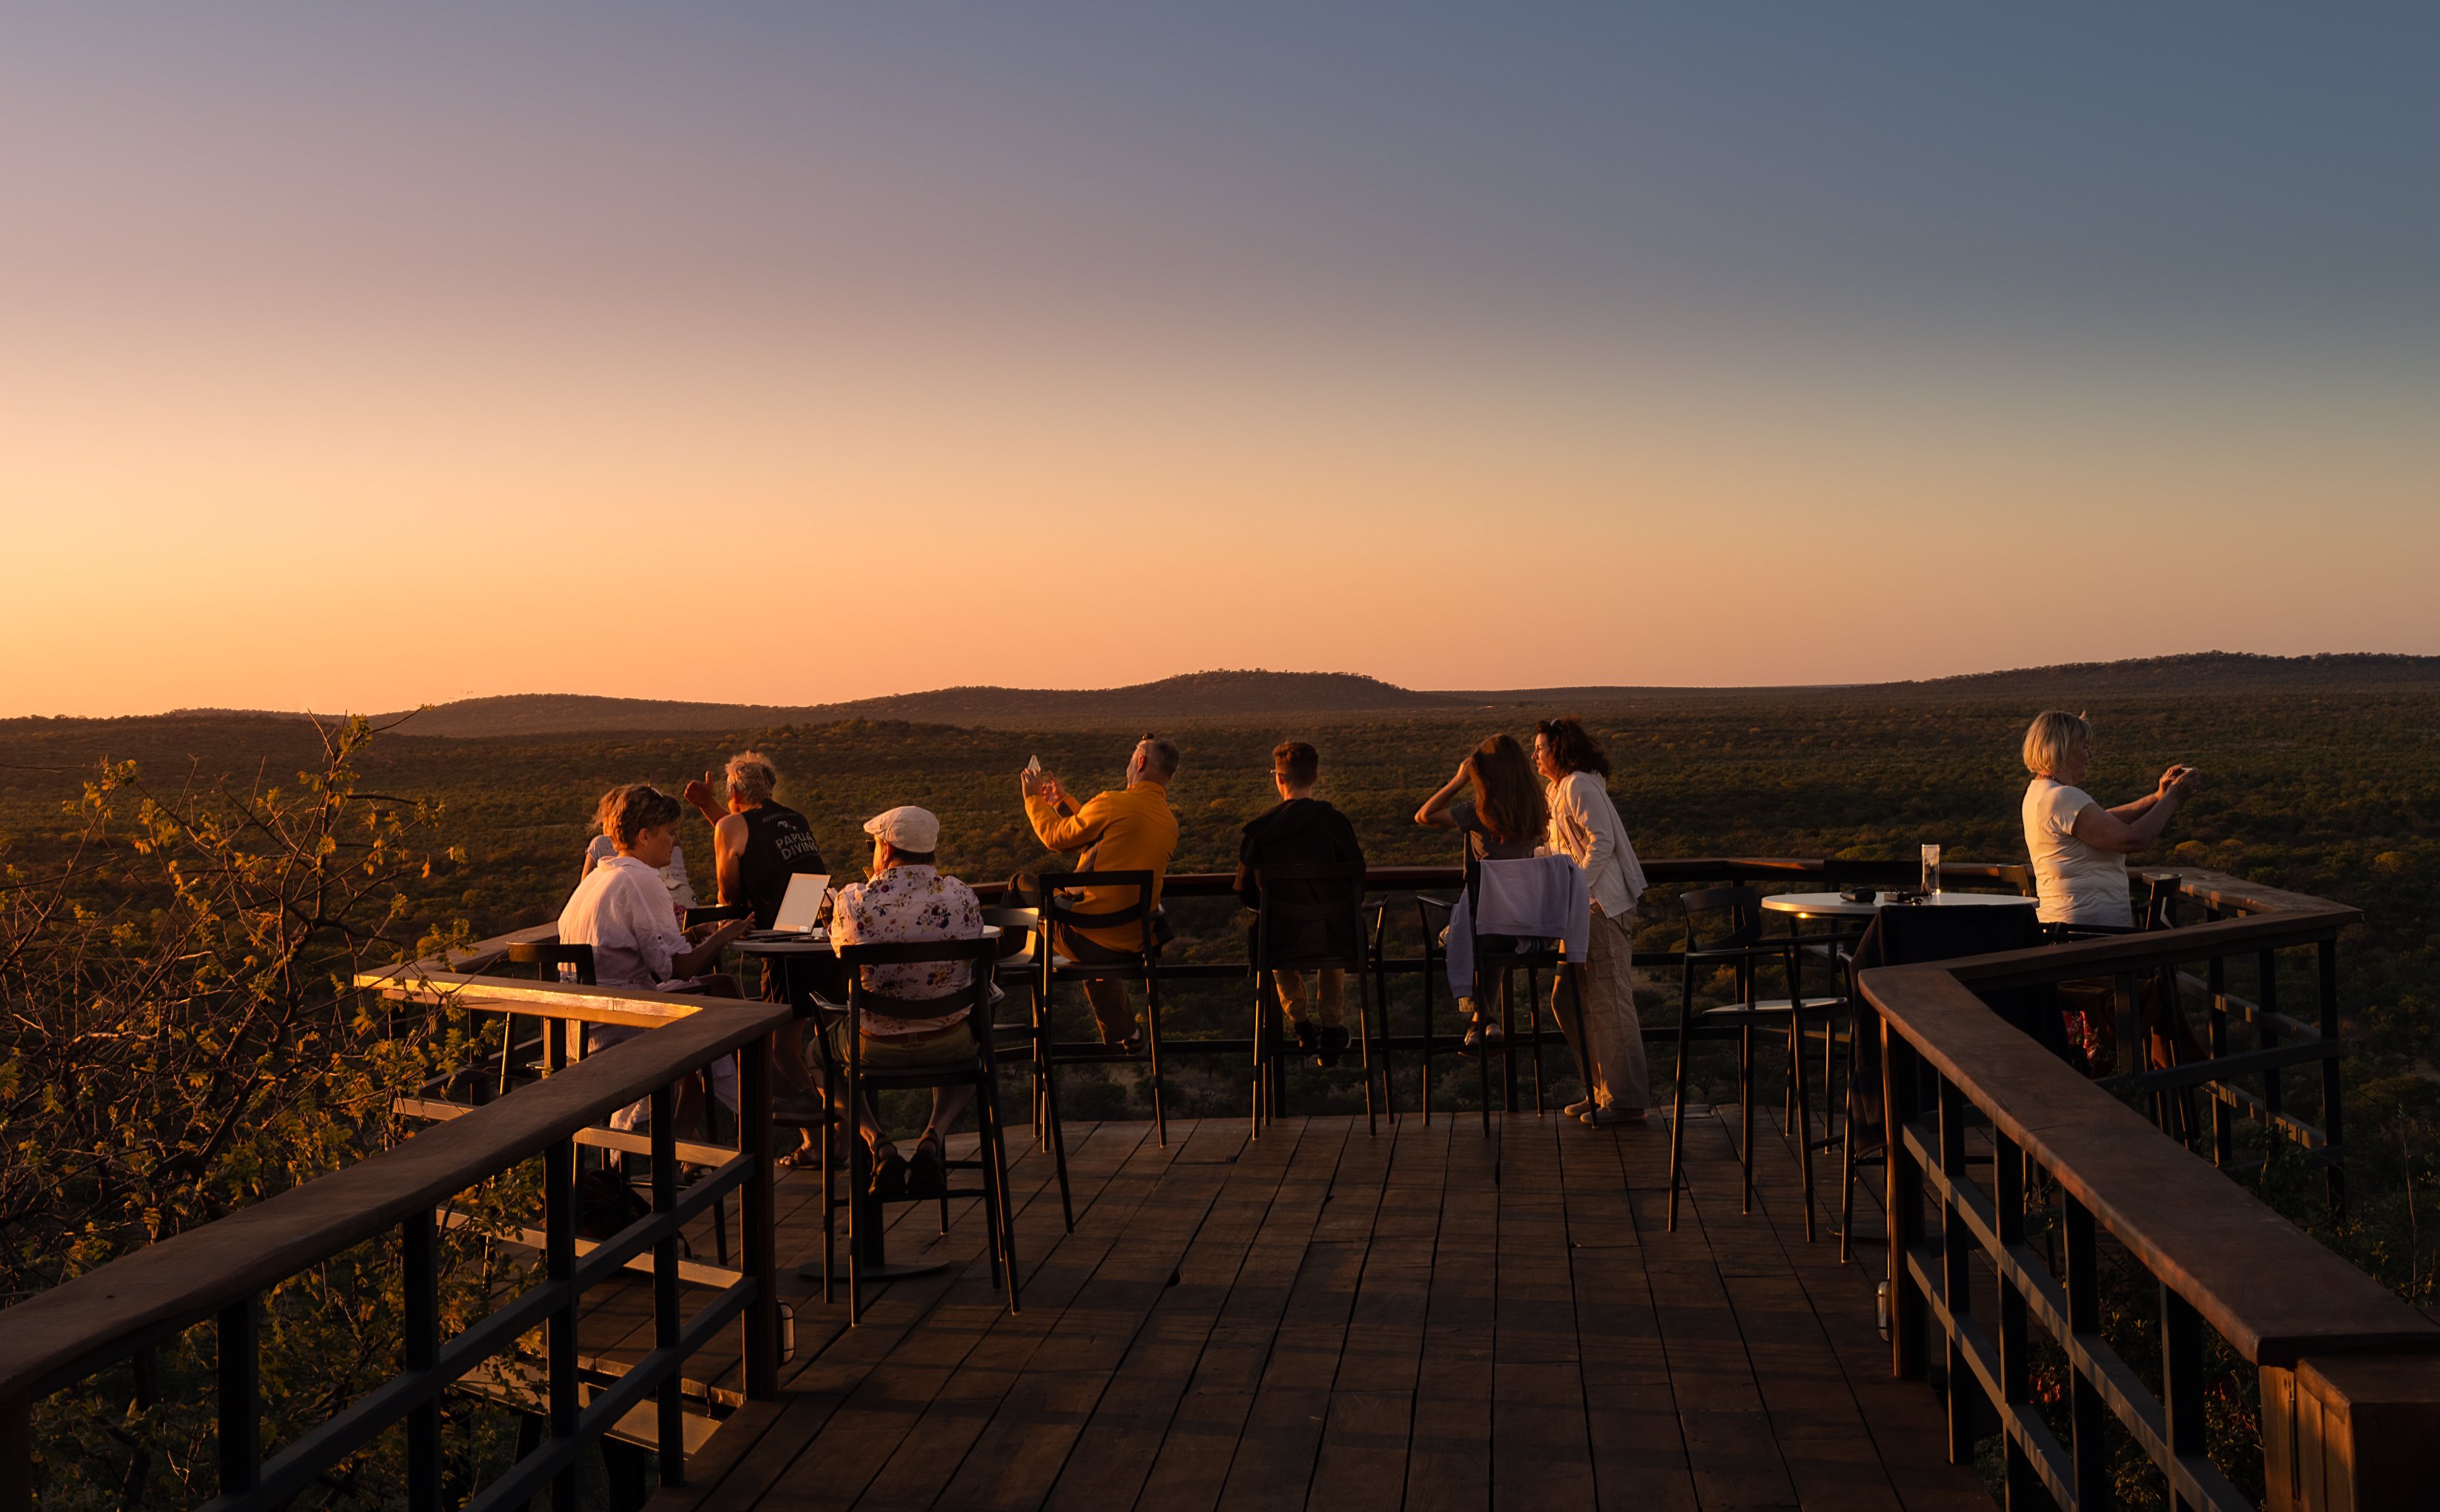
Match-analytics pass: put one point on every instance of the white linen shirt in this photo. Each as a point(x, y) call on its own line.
point(621, 908)
point(674, 876)
point(1585, 828)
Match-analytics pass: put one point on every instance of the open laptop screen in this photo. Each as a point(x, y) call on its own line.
point(803, 906)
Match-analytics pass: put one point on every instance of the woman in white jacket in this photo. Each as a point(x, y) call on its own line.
point(1607, 1039)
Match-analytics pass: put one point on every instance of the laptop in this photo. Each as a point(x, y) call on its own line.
point(800, 910)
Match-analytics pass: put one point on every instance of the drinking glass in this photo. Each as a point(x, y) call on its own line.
point(1930, 870)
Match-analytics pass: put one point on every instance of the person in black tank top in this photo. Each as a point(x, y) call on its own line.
point(757, 844)
point(778, 844)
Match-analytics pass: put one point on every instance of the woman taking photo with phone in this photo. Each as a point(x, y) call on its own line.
point(2079, 848)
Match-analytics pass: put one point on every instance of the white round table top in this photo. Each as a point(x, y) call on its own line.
point(812, 942)
point(1830, 905)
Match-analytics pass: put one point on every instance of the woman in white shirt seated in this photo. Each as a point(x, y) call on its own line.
point(621, 908)
point(2080, 848)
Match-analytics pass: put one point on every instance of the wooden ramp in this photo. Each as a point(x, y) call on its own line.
point(1419, 1318)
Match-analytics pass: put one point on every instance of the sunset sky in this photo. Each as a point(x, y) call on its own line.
point(359, 356)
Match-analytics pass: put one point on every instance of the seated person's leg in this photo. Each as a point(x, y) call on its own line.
point(1292, 997)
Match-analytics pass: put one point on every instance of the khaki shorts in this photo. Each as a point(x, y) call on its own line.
point(949, 1047)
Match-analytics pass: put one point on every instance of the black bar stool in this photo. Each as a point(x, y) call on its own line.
point(1142, 964)
point(1276, 915)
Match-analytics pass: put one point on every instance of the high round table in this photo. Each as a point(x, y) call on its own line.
point(1830, 905)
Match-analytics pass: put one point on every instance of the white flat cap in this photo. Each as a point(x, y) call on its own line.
point(906, 827)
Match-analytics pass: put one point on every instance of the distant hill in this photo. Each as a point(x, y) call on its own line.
point(1219, 696)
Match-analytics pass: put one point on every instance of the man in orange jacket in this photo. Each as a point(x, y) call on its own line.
point(1130, 829)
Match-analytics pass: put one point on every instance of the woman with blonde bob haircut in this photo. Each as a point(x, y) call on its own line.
point(2079, 848)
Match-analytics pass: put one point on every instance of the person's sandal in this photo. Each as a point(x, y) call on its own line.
point(927, 1171)
point(889, 1177)
point(1614, 1117)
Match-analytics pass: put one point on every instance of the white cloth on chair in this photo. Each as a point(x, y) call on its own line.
point(1541, 897)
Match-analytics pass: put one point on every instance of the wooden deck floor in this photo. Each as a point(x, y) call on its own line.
point(1421, 1317)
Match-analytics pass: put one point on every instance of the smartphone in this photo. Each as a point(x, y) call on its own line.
point(1033, 766)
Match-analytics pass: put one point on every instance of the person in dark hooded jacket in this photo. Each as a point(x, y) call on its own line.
point(1304, 831)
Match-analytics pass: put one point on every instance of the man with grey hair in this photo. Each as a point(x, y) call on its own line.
point(757, 843)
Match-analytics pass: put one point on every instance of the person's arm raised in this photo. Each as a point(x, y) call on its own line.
point(698, 792)
point(1434, 813)
point(2105, 831)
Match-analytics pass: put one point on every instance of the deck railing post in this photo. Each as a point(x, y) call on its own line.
point(240, 1398)
point(2265, 997)
point(670, 1406)
point(2085, 1408)
point(2333, 1095)
point(17, 1454)
point(559, 1237)
point(1956, 1273)
point(2019, 1486)
point(1900, 1105)
point(761, 1236)
point(420, 1281)
point(2223, 1117)
point(2181, 1388)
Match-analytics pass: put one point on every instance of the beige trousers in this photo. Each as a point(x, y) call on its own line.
point(1606, 1035)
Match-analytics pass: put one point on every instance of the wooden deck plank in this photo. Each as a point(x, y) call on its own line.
point(1114, 1454)
point(1449, 1466)
point(1421, 1318)
point(1362, 1462)
point(1630, 1408)
point(1541, 1450)
point(1015, 1450)
point(1281, 1436)
point(1192, 1465)
point(762, 1469)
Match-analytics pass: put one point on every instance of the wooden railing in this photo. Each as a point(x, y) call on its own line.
point(2350, 1375)
point(2347, 1370)
point(222, 1269)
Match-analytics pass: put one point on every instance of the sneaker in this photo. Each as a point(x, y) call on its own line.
point(1334, 1045)
point(1305, 1038)
point(1472, 1044)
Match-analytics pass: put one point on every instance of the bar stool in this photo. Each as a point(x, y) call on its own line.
point(1142, 964)
point(1020, 938)
point(979, 1070)
point(1739, 945)
point(1275, 915)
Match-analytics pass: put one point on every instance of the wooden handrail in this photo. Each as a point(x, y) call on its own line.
point(2292, 1308)
point(162, 1288)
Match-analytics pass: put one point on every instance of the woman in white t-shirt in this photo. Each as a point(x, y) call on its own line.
point(2080, 847)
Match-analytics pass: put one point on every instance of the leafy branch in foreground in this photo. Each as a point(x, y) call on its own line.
point(180, 1037)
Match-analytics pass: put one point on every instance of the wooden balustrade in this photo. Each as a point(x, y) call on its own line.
point(221, 1270)
point(2350, 1375)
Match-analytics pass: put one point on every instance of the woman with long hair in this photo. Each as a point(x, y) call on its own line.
point(1503, 821)
point(1585, 827)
